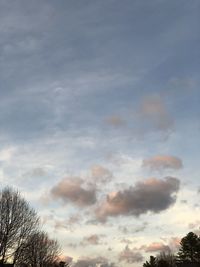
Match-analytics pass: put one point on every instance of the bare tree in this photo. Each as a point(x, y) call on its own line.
point(40, 250)
point(17, 222)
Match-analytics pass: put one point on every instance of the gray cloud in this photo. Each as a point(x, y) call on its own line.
point(130, 255)
point(133, 229)
point(141, 228)
point(161, 162)
point(73, 190)
point(151, 195)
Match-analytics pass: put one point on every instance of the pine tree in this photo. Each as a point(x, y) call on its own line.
point(190, 248)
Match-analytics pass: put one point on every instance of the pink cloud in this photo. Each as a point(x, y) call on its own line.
point(156, 247)
point(73, 190)
point(161, 162)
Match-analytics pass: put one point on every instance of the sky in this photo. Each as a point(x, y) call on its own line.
point(99, 122)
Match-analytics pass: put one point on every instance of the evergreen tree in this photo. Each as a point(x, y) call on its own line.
point(190, 248)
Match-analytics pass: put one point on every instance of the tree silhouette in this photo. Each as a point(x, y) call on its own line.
point(17, 222)
point(190, 248)
point(40, 251)
point(166, 260)
point(151, 263)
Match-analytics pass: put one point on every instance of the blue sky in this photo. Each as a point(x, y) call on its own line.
point(99, 122)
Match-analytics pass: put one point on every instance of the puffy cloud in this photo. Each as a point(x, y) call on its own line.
point(73, 190)
point(93, 262)
point(151, 195)
point(154, 114)
point(161, 162)
point(100, 174)
point(130, 255)
point(156, 247)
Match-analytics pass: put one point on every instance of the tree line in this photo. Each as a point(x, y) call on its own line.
point(189, 253)
point(22, 242)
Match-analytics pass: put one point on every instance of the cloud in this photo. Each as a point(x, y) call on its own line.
point(154, 116)
point(161, 162)
point(130, 255)
point(141, 228)
point(72, 190)
point(156, 247)
point(93, 262)
point(68, 224)
point(130, 229)
point(151, 195)
point(101, 174)
point(91, 240)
